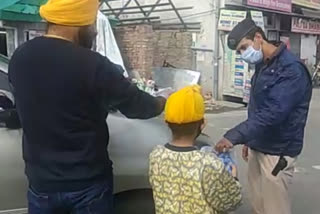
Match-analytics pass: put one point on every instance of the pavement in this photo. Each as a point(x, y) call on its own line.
point(217, 107)
point(305, 189)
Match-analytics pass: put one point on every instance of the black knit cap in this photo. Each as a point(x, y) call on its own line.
point(239, 32)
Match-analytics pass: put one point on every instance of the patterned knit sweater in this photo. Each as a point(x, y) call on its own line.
point(188, 181)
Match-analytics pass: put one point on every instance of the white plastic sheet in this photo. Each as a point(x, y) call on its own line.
point(174, 78)
point(106, 43)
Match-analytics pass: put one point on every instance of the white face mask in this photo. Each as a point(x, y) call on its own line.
point(252, 56)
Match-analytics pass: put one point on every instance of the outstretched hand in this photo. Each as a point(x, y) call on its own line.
point(224, 145)
point(165, 93)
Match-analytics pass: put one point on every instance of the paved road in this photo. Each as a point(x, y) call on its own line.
point(305, 189)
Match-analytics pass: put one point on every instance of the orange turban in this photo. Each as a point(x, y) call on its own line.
point(75, 13)
point(185, 106)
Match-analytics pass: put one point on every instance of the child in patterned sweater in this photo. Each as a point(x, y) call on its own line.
point(184, 179)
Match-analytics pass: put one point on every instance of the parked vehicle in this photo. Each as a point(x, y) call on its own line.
point(316, 76)
point(131, 141)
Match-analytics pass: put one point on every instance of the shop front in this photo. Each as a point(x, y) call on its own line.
point(236, 73)
point(281, 22)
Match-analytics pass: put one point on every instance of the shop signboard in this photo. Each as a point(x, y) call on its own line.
point(235, 73)
point(234, 2)
point(281, 5)
point(230, 18)
point(315, 4)
point(257, 17)
point(300, 25)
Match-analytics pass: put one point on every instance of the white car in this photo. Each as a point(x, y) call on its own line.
point(131, 141)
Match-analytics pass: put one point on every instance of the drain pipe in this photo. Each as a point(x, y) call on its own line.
point(216, 58)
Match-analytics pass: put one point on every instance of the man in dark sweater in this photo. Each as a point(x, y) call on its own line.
point(62, 91)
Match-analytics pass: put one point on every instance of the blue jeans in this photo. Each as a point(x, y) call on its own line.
point(96, 199)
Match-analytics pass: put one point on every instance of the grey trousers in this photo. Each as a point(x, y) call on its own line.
point(269, 194)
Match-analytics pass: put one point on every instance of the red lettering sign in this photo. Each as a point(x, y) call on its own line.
point(300, 25)
point(282, 5)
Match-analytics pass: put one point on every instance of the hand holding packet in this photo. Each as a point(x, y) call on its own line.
point(164, 92)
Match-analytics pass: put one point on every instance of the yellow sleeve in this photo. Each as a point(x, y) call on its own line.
point(154, 163)
point(221, 190)
point(151, 165)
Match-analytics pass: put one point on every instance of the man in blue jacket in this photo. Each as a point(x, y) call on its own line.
point(278, 110)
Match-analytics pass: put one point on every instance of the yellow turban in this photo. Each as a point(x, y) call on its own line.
point(185, 106)
point(75, 13)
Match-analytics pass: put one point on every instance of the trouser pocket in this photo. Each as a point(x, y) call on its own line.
point(37, 202)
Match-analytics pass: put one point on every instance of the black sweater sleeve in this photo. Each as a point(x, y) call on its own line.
point(125, 96)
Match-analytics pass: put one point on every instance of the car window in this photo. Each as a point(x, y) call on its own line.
point(4, 81)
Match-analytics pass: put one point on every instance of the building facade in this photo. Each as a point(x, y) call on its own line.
point(203, 40)
point(294, 22)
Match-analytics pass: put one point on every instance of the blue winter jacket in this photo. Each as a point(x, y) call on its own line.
point(278, 109)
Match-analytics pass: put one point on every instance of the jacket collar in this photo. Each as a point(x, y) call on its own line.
point(276, 54)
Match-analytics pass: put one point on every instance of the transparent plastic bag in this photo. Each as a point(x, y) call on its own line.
point(204, 143)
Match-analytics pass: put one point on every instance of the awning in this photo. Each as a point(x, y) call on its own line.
point(7, 3)
point(27, 11)
point(307, 14)
point(22, 10)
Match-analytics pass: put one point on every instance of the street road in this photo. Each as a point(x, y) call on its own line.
point(305, 190)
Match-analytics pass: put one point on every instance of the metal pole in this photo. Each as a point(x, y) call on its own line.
point(123, 8)
point(147, 11)
point(216, 91)
point(152, 8)
point(178, 14)
point(141, 9)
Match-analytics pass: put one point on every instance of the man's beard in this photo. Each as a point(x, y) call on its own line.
point(86, 37)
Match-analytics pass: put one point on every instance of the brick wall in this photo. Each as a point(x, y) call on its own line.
point(174, 48)
point(136, 46)
point(142, 48)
